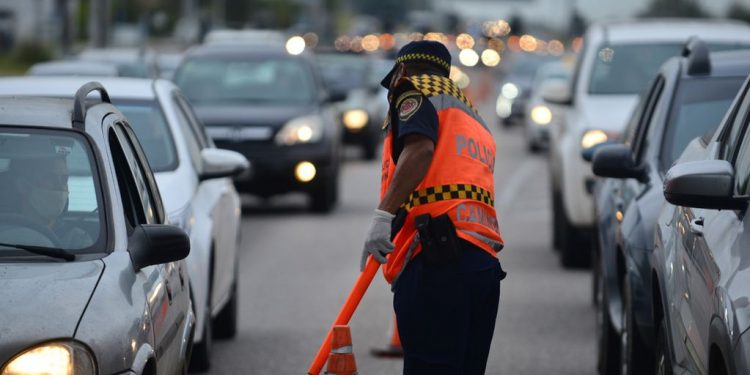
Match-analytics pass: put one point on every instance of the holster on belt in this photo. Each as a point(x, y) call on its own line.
point(438, 238)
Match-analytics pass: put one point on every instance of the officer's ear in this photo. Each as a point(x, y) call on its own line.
point(398, 76)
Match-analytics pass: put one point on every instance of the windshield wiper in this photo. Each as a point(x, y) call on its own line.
point(53, 252)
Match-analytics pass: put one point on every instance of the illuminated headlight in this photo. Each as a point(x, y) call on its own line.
point(57, 358)
point(305, 171)
point(503, 107)
point(541, 115)
point(593, 137)
point(306, 129)
point(355, 119)
point(510, 91)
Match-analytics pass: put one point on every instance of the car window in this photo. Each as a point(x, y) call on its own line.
point(282, 81)
point(143, 198)
point(626, 69)
point(738, 123)
point(742, 166)
point(150, 125)
point(196, 126)
point(697, 109)
point(647, 119)
point(49, 191)
point(193, 146)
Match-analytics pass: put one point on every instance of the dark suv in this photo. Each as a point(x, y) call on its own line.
point(272, 107)
point(687, 99)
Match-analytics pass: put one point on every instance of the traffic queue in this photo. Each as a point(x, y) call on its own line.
point(649, 163)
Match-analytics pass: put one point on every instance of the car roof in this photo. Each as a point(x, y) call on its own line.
point(729, 63)
point(251, 50)
point(74, 67)
point(37, 112)
point(118, 55)
point(671, 29)
point(117, 87)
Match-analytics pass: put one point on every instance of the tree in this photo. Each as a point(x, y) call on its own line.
point(675, 8)
point(739, 12)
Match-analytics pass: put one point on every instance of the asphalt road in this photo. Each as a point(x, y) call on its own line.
point(296, 269)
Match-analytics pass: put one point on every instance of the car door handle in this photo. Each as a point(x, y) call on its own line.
point(696, 226)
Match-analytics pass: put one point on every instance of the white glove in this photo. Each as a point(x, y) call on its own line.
point(378, 242)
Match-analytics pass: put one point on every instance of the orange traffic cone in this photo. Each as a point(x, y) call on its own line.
point(341, 360)
point(394, 348)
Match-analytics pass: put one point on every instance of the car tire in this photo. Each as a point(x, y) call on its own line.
point(633, 359)
point(369, 149)
point(225, 323)
point(574, 246)
point(324, 197)
point(663, 363)
point(200, 361)
point(609, 340)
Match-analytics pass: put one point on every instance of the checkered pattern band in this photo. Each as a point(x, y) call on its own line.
point(425, 57)
point(447, 192)
point(433, 85)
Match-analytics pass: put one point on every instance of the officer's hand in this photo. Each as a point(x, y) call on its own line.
point(378, 241)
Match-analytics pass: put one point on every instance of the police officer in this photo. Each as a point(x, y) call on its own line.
point(435, 230)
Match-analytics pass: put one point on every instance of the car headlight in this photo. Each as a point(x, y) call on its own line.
point(510, 90)
point(593, 137)
point(541, 115)
point(307, 129)
point(355, 119)
point(54, 358)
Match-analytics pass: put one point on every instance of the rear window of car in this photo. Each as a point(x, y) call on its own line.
point(218, 80)
point(697, 109)
point(150, 125)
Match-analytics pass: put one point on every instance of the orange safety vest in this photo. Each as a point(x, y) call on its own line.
point(459, 181)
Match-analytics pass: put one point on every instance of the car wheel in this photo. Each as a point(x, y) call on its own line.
point(324, 197)
point(663, 365)
point(574, 247)
point(633, 359)
point(201, 358)
point(225, 323)
point(369, 149)
point(609, 343)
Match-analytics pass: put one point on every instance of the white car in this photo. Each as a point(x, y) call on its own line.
point(617, 62)
point(541, 116)
point(193, 177)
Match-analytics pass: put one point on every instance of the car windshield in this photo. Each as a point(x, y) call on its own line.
point(628, 68)
point(344, 71)
point(150, 126)
point(263, 81)
point(50, 192)
point(698, 108)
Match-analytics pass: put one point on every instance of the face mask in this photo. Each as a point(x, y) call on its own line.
point(48, 203)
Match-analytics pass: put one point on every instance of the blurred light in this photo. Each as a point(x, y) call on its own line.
point(490, 57)
point(387, 41)
point(343, 43)
point(295, 45)
point(355, 119)
point(311, 39)
point(504, 27)
point(510, 90)
point(496, 44)
point(577, 44)
point(305, 171)
point(304, 134)
point(468, 57)
point(370, 43)
point(555, 48)
point(416, 36)
point(433, 36)
point(541, 115)
point(514, 43)
point(527, 43)
point(503, 106)
point(49, 359)
point(464, 41)
point(619, 215)
point(459, 77)
point(541, 47)
point(400, 38)
point(606, 54)
point(356, 44)
point(592, 138)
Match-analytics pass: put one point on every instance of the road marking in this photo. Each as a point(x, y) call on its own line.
point(516, 181)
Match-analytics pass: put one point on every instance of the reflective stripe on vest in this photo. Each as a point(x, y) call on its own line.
point(459, 182)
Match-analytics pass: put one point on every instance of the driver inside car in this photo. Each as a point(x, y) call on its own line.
point(41, 195)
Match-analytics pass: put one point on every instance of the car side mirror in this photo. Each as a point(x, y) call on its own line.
point(617, 161)
point(219, 163)
point(556, 91)
point(152, 244)
point(703, 184)
point(588, 153)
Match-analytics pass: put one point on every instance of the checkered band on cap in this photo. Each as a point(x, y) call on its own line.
point(447, 192)
point(433, 85)
point(424, 57)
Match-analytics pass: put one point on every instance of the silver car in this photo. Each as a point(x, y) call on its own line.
point(91, 277)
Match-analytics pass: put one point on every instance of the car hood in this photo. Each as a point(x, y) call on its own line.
point(251, 115)
point(43, 301)
point(608, 112)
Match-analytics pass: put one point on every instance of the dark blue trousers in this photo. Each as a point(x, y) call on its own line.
point(446, 314)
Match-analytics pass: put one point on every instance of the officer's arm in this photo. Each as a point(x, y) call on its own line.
point(412, 166)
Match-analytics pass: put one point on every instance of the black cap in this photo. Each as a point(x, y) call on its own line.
point(425, 51)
